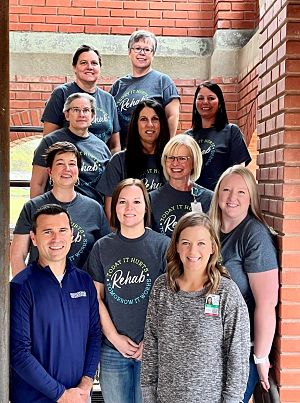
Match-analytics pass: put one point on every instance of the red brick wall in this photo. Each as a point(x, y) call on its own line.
point(279, 174)
point(236, 14)
point(163, 17)
point(28, 96)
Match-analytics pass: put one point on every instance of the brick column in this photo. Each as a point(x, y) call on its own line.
point(279, 174)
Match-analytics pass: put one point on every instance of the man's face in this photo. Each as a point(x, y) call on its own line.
point(141, 54)
point(52, 238)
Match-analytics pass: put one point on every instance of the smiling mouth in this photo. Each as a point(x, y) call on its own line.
point(56, 247)
point(193, 259)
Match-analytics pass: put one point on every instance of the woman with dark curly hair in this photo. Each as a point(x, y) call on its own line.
point(222, 143)
point(196, 341)
point(148, 134)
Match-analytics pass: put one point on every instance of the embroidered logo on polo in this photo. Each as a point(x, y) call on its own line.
point(78, 294)
point(169, 218)
point(128, 281)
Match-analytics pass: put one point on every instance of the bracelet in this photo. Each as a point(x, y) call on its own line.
point(260, 360)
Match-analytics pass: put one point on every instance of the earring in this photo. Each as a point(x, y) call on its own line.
point(77, 183)
point(50, 181)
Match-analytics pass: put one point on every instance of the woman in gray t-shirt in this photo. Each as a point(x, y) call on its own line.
point(124, 266)
point(249, 254)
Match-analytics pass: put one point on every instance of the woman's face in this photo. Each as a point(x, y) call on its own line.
point(195, 248)
point(180, 169)
point(234, 198)
point(79, 115)
point(87, 69)
point(148, 126)
point(64, 170)
point(207, 103)
point(131, 207)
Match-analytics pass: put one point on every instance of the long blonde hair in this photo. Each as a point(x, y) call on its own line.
point(214, 269)
point(215, 212)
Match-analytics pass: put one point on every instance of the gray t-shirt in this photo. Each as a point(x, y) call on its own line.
point(169, 204)
point(249, 248)
point(115, 172)
point(128, 269)
point(88, 222)
point(94, 155)
point(220, 150)
point(190, 355)
point(106, 120)
point(128, 91)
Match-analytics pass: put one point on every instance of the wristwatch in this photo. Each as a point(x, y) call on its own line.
point(260, 360)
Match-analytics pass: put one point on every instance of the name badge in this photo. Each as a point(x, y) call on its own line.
point(212, 305)
point(196, 207)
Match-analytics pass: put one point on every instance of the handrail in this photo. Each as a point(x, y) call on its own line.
point(26, 129)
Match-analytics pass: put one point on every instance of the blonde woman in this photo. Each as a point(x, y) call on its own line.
point(182, 162)
point(249, 254)
point(196, 342)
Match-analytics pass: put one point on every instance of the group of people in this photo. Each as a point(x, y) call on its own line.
point(148, 251)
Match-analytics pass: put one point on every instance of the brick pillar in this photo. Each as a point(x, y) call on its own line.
point(279, 174)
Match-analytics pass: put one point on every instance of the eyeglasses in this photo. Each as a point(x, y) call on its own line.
point(181, 158)
point(138, 49)
point(85, 111)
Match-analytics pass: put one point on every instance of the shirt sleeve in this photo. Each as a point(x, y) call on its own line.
point(38, 157)
point(112, 175)
point(92, 356)
point(149, 371)
point(24, 223)
point(94, 264)
point(238, 149)
point(236, 346)
point(53, 112)
point(115, 118)
point(260, 253)
point(22, 361)
point(169, 92)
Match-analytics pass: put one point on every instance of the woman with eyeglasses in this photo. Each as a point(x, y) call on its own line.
point(222, 143)
point(105, 124)
point(144, 83)
point(63, 162)
point(79, 110)
point(181, 161)
point(148, 133)
point(124, 266)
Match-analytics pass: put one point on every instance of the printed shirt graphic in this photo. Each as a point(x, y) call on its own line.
point(106, 120)
point(220, 150)
point(168, 205)
point(94, 154)
point(88, 222)
point(128, 269)
point(115, 171)
point(128, 91)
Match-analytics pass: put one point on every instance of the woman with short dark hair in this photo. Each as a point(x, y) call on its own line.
point(63, 162)
point(86, 64)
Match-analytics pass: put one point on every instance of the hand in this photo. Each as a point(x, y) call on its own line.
point(139, 352)
point(263, 372)
point(73, 395)
point(125, 345)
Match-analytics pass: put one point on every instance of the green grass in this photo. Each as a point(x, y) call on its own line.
point(20, 168)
